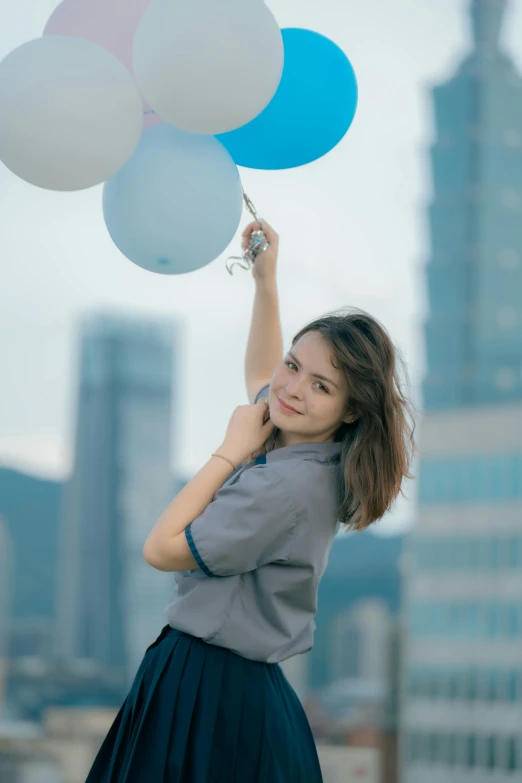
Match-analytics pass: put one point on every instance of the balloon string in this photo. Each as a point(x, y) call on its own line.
point(257, 242)
point(251, 208)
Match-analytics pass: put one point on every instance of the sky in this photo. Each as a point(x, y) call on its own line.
point(353, 232)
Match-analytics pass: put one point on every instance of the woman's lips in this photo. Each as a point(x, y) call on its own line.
point(285, 408)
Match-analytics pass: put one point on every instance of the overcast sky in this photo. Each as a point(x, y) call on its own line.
point(352, 225)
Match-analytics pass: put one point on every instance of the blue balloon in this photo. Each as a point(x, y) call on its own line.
point(310, 113)
point(176, 204)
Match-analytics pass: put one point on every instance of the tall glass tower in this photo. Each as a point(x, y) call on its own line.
point(474, 331)
point(461, 702)
point(111, 602)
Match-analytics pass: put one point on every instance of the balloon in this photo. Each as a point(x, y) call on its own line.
point(205, 66)
point(176, 205)
point(71, 113)
point(310, 112)
point(109, 23)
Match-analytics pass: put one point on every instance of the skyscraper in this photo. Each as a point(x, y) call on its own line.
point(111, 602)
point(462, 680)
point(474, 330)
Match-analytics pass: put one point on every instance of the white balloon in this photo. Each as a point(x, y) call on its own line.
point(71, 113)
point(208, 66)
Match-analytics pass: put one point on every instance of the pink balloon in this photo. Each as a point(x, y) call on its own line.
point(109, 23)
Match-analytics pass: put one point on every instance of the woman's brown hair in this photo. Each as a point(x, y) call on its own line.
point(378, 446)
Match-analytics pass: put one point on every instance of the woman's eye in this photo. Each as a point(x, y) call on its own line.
point(319, 382)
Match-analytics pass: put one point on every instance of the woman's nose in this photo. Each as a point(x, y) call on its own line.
point(293, 389)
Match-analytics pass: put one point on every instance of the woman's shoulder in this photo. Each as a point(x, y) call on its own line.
point(309, 484)
point(313, 485)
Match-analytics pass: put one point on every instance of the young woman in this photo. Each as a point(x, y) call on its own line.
point(325, 444)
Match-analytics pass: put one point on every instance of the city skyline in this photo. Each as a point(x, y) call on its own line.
point(367, 230)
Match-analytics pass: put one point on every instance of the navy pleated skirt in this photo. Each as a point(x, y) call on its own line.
point(198, 713)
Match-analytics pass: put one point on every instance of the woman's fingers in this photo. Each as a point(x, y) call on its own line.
point(255, 226)
point(251, 227)
point(246, 233)
point(270, 234)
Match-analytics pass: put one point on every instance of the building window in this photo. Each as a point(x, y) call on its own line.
point(462, 686)
point(518, 686)
point(471, 750)
point(413, 747)
point(515, 551)
point(511, 199)
point(430, 748)
point(445, 140)
point(491, 756)
point(473, 685)
point(453, 685)
point(511, 686)
point(507, 317)
point(508, 258)
point(512, 138)
point(518, 750)
point(484, 553)
point(495, 553)
point(465, 621)
point(452, 750)
point(416, 679)
point(475, 133)
point(511, 621)
point(511, 760)
point(473, 478)
point(475, 192)
point(505, 378)
point(422, 747)
point(481, 684)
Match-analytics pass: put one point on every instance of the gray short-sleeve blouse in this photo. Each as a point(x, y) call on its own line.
point(261, 547)
point(247, 525)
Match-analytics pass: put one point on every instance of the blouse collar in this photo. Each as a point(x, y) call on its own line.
point(318, 451)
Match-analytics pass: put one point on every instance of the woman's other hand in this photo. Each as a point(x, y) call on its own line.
point(248, 429)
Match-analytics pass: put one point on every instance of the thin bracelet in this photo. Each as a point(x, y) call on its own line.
point(222, 457)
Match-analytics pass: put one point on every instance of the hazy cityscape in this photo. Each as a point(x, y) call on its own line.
point(416, 671)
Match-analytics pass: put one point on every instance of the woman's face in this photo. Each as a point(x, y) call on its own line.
point(320, 402)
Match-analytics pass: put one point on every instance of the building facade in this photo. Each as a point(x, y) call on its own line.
point(111, 602)
point(461, 684)
point(474, 275)
point(462, 681)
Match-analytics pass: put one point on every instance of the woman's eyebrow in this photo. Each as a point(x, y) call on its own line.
point(315, 374)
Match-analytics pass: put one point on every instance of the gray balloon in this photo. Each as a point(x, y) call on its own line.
point(71, 113)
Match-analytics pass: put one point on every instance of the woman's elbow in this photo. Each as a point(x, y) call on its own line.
point(174, 555)
point(151, 556)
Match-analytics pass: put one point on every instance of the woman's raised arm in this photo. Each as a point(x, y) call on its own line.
point(265, 340)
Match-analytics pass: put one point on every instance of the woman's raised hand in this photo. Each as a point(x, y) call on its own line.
point(264, 267)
